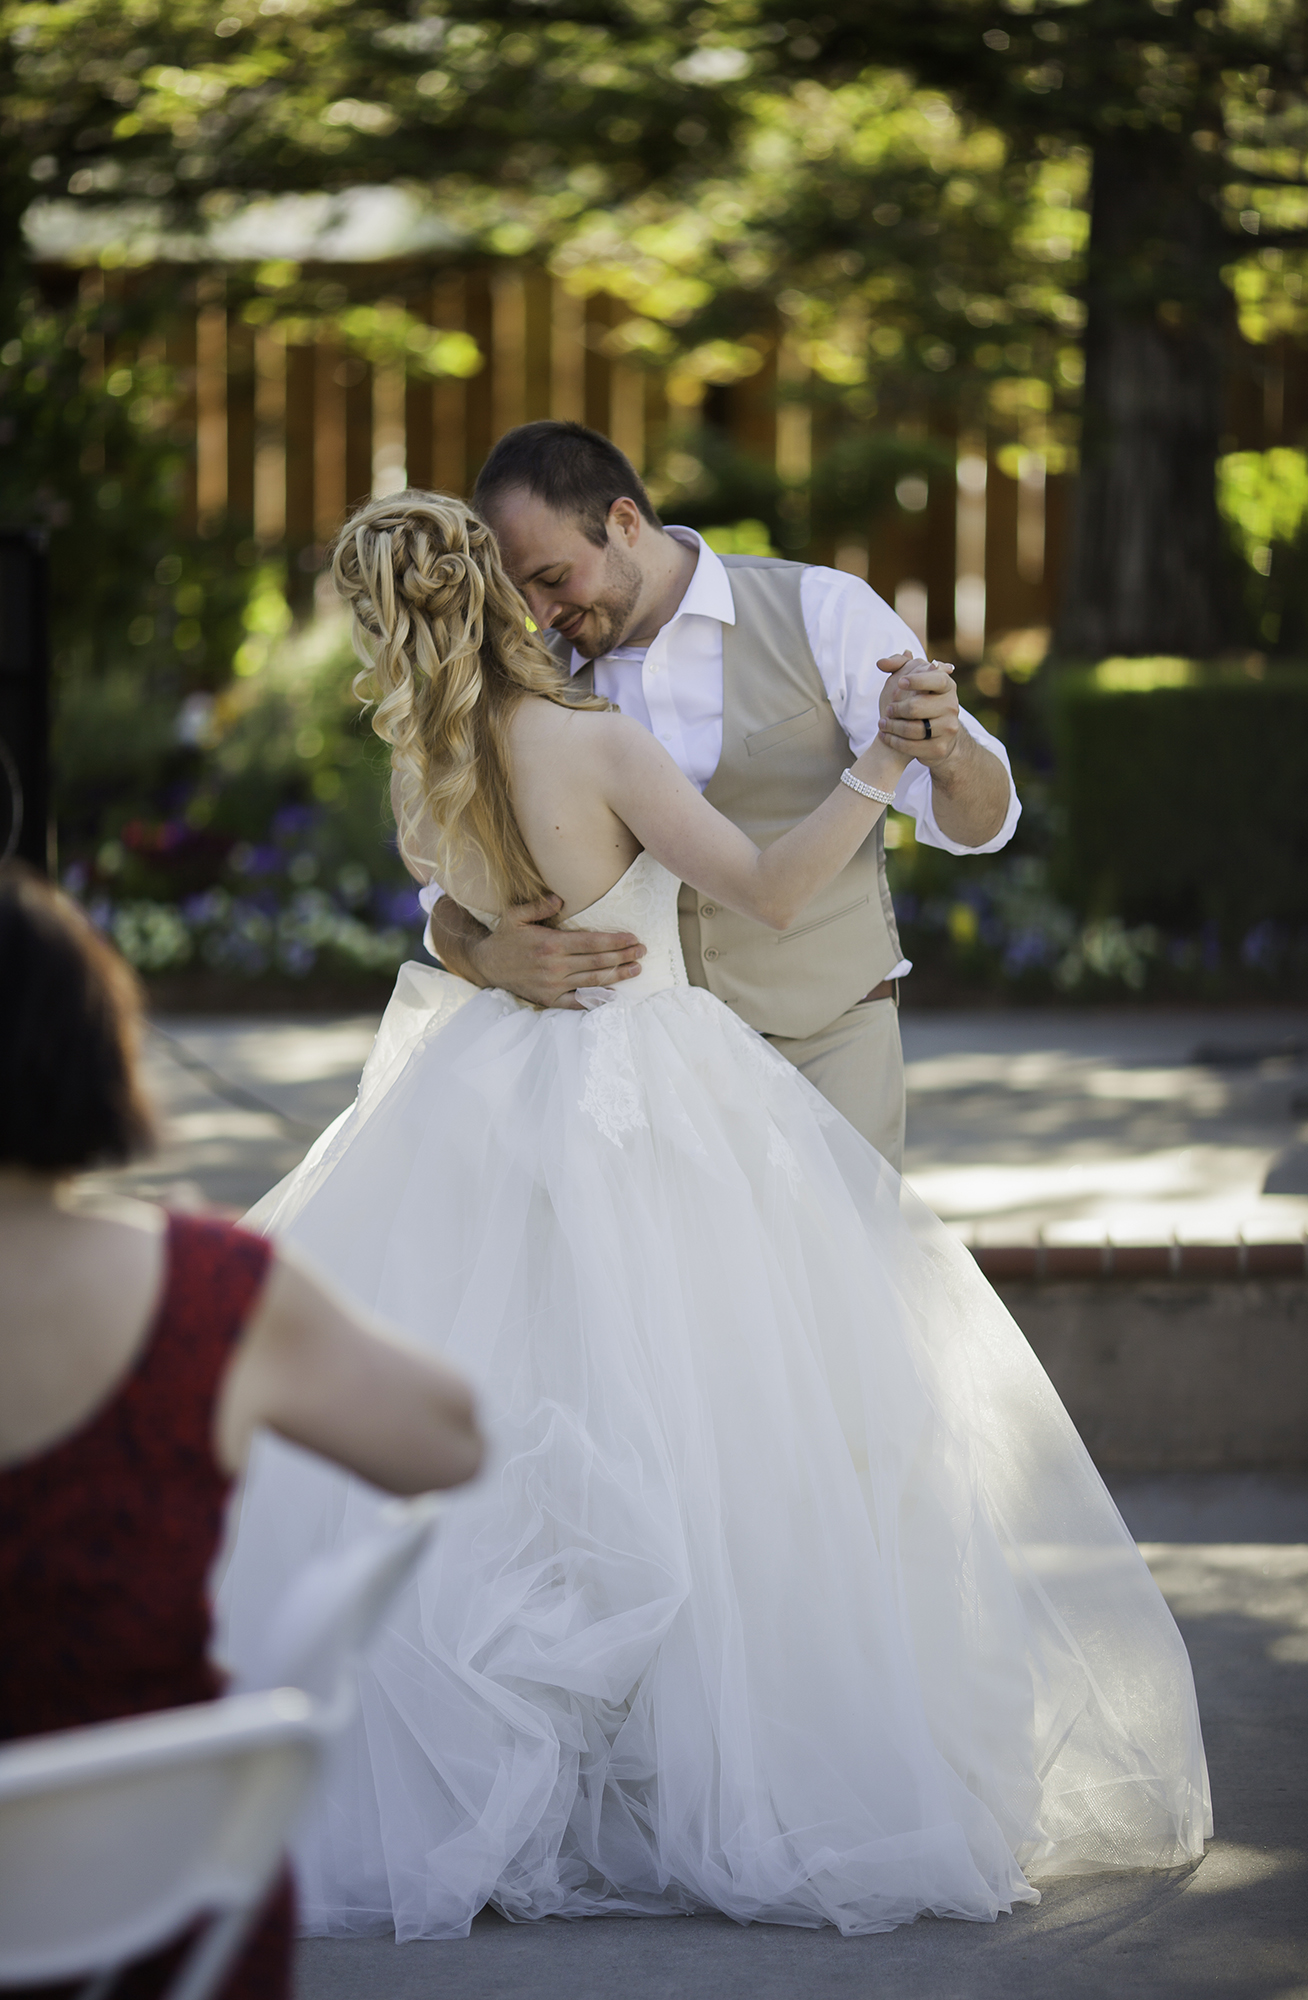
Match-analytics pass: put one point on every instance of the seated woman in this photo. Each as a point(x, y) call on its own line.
point(139, 1353)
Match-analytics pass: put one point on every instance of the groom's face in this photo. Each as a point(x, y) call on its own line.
point(572, 585)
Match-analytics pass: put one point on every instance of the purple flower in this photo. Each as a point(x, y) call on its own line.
point(397, 906)
point(291, 822)
point(1262, 945)
point(1026, 949)
point(204, 908)
point(296, 957)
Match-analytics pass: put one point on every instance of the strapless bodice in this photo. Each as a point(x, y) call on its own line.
point(644, 902)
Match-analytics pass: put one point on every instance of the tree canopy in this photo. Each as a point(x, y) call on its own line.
point(941, 201)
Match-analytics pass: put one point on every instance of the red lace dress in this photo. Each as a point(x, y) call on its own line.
point(106, 1540)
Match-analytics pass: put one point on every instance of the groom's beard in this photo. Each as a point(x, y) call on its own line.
point(609, 615)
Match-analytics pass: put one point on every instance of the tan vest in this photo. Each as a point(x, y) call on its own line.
point(782, 752)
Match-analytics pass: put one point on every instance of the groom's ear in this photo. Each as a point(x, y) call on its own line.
point(625, 517)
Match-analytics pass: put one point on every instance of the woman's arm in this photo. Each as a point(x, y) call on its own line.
point(678, 827)
point(313, 1368)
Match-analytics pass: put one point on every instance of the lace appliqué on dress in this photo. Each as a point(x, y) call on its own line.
point(781, 1155)
point(611, 1098)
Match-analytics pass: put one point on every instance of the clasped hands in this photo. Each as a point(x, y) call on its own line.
point(917, 692)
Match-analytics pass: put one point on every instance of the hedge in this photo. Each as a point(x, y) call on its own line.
point(1185, 805)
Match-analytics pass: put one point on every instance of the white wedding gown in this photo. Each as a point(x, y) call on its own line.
point(790, 1590)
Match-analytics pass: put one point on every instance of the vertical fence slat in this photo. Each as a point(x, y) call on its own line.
point(627, 411)
point(179, 353)
point(389, 401)
point(330, 484)
point(656, 420)
point(449, 401)
point(538, 300)
point(754, 410)
point(358, 431)
point(939, 554)
point(508, 349)
point(1004, 590)
point(269, 454)
point(479, 421)
point(418, 409)
point(303, 555)
point(211, 410)
point(597, 366)
point(240, 423)
point(1058, 523)
point(567, 356)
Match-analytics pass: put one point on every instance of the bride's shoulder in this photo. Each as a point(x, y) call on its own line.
point(536, 723)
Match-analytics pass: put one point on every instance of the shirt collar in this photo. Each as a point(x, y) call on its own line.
point(708, 594)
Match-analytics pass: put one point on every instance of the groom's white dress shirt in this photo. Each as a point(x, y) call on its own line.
point(673, 686)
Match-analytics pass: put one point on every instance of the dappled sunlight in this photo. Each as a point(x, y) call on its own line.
point(1071, 1075)
point(1085, 1128)
point(1266, 1582)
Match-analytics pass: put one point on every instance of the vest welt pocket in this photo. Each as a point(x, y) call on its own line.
point(816, 923)
point(780, 732)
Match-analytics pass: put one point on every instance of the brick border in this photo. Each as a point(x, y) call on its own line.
point(1050, 1262)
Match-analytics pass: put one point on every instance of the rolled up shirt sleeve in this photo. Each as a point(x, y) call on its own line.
point(850, 628)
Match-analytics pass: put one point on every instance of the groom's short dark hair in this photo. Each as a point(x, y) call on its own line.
point(575, 471)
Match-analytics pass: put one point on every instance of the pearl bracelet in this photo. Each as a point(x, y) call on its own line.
point(866, 791)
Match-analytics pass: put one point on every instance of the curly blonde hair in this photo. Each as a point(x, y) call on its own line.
point(448, 654)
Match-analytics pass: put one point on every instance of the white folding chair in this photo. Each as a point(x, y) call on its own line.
point(117, 1838)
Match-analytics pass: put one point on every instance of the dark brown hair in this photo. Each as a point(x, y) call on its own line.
point(70, 1013)
point(576, 471)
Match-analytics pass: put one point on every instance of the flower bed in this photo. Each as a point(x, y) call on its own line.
point(248, 938)
point(997, 927)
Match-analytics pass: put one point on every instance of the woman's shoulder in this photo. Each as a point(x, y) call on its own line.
point(579, 732)
point(109, 1210)
point(216, 1255)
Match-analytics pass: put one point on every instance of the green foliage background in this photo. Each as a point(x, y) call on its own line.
point(900, 191)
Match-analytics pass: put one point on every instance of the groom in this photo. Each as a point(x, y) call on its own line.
point(762, 679)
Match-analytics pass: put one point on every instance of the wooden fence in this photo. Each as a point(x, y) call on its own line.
point(288, 437)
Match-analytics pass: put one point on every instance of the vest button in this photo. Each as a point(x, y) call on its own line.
point(712, 952)
point(708, 909)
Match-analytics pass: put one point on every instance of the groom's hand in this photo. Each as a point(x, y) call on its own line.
point(917, 692)
point(523, 955)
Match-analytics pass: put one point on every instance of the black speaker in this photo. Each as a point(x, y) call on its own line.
point(24, 697)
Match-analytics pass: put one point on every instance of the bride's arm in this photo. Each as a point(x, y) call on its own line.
point(672, 822)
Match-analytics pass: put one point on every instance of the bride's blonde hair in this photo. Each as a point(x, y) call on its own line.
point(448, 655)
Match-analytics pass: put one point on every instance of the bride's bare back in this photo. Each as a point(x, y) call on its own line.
point(560, 780)
point(591, 789)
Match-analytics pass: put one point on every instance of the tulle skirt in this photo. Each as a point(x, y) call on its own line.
point(790, 1591)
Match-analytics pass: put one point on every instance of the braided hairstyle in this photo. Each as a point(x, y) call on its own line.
point(448, 653)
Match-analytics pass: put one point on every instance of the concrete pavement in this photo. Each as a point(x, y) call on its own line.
point(1126, 1123)
point(1074, 1123)
point(240, 1099)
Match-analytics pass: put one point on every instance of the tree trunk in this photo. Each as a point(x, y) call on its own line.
point(1148, 563)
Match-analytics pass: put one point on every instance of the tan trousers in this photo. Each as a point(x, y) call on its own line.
point(858, 1065)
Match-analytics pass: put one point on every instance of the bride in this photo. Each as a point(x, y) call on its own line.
point(791, 1591)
